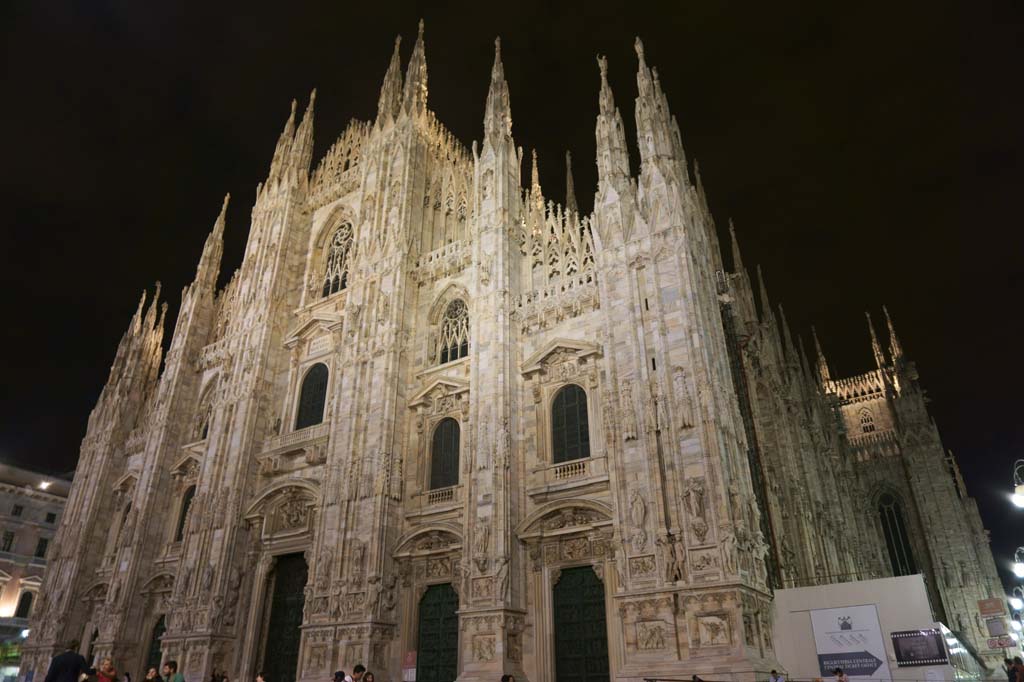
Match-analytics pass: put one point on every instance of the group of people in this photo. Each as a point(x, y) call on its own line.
point(1014, 669)
point(71, 666)
point(359, 674)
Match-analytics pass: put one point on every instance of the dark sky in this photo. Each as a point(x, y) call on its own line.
point(869, 154)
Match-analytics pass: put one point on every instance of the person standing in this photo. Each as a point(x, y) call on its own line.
point(67, 666)
point(152, 675)
point(840, 675)
point(106, 671)
point(776, 677)
point(357, 672)
point(171, 673)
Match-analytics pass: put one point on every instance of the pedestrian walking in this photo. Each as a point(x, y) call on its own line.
point(67, 666)
point(171, 673)
point(106, 672)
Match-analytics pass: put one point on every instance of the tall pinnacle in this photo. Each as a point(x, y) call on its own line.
point(643, 74)
point(284, 143)
point(213, 249)
point(415, 95)
point(766, 306)
point(737, 258)
point(302, 147)
point(895, 348)
point(497, 112)
point(536, 193)
point(822, 362)
point(787, 337)
point(390, 99)
point(876, 347)
point(570, 188)
point(612, 155)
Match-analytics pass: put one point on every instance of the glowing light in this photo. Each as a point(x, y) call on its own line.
point(1015, 624)
point(1014, 636)
point(46, 484)
point(1018, 569)
point(24, 633)
point(1016, 604)
point(1018, 498)
point(950, 641)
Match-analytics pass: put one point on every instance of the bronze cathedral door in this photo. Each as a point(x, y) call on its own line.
point(581, 637)
point(281, 647)
point(437, 647)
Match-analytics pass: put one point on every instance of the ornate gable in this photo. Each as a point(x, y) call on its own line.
point(559, 351)
point(318, 323)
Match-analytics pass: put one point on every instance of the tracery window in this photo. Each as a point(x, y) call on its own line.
point(186, 502)
point(897, 541)
point(867, 421)
point(570, 429)
point(454, 336)
point(312, 397)
point(336, 266)
point(444, 455)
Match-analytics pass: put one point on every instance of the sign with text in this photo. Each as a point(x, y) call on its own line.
point(991, 607)
point(1004, 642)
point(850, 638)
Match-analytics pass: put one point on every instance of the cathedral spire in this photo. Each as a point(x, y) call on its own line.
point(823, 371)
point(390, 100)
point(895, 348)
point(612, 155)
point(284, 144)
point(876, 347)
point(787, 337)
point(570, 188)
point(655, 128)
point(213, 249)
point(762, 293)
point(536, 193)
point(498, 113)
point(414, 98)
point(737, 257)
point(302, 147)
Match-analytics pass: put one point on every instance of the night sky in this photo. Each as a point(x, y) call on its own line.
point(869, 154)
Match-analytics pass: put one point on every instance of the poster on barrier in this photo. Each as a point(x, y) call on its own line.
point(850, 638)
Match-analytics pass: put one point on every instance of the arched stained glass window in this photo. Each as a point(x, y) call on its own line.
point(570, 430)
point(336, 265)
point(867, 421)
point(186, 502)
point(897, 541)
point(454, 337)
point(24, 609)
point(312, 397)
point(444, 455)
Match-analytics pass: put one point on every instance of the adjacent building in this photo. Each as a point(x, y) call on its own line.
point(438, 421)
point(31, 505)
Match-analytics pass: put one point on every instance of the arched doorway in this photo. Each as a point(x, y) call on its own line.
point(437, 642)
point(581, 634)
point(154, 655)
point(280, 657)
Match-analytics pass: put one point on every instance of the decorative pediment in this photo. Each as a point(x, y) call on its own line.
point(126, 484)
point(187, 468)
point(562, 517)
point(4, 576)
point(286, 507)
point(32, 581)
point(318, 323)
point(439, 389)
point(558, 351)
point(164, 582)
point(433, 539)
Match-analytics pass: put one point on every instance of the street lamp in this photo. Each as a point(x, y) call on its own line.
point(1018, 483)
point(1017, 598)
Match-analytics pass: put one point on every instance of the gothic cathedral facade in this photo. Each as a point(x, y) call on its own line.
point(437, 421)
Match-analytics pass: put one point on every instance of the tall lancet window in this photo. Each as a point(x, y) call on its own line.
point(867, 421)
point(336, 266)
point(312, 397)
point(454, 337)
point(570, 429)
point(897, 541)
point(444, 455)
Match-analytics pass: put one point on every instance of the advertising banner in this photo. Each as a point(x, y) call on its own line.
point(850, 638)
point(919, 647)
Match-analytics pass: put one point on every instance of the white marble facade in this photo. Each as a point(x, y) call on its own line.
point(422, 282)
